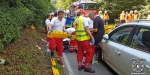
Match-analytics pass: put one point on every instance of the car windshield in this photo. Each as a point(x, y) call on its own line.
point(89, 6)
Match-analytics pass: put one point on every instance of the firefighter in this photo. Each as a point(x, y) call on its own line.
point(130, 16)
point(126, 17)
point(136, 15)
point(83, 36)
point(106, 18)
point(122, 17)
point(57, 23)
point(148, 16)
point(100, 14)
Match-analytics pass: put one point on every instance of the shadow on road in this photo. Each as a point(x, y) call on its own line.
point(109, 68)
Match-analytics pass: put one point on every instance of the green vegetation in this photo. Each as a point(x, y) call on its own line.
point(58, 66)
point(63, 4)
point(24, 57)
point(18, 14)
point(114, 7)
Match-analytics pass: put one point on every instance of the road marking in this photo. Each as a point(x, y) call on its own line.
point(70, 71)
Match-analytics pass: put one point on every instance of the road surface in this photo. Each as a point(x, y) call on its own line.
point(71, 67)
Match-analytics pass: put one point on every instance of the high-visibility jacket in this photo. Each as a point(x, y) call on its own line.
point(122, 16)
point(136, 16)
point(148, 17)
point(130, 17)
point(81, 34)
point(106, 16)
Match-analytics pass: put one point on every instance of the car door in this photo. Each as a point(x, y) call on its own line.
point(112, 48)
point(136, 56)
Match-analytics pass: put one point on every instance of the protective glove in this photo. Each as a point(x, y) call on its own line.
point(51, 29)
point(92, 42)
point(65, 31)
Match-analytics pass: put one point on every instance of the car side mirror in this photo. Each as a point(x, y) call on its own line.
point(106, 37)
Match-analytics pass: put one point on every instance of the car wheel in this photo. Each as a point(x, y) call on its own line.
point(98, 51)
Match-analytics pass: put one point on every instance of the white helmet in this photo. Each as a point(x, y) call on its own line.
point(135, 10)
point(100, 11)
point(131, 11)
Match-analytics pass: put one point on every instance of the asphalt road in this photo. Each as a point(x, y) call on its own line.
point(71, 67)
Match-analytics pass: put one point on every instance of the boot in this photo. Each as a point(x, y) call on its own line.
point(87, 68)
point(52, 54)
point(59, 60)
point(80, 66)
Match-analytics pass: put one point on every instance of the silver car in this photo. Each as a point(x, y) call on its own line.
point(127, 49)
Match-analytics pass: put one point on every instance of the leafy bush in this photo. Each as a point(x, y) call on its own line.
point(17, 14)
point(115, 7)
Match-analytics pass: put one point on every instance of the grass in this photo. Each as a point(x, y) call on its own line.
point(58, 66)
point(24, 57)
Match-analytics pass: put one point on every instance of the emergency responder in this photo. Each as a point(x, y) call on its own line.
point(97, 30)
point(73, 43)
point(50, 12)
point(130, 16)
point(57, 23)
point(122, 17)
point(106, 18)
point(83, 36)
point(90, 23)
point(148, 16)
point(126, 17)
point(55, 14)
point(47, 23)
point(69, 20)
point(100, 14)
point(52, 16)
point(136, 15)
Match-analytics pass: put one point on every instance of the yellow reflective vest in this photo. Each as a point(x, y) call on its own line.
point(106, 16)
point(81, 34)
point(136, 16)
point(148, 17)
point(122, 16)
point(130, 17)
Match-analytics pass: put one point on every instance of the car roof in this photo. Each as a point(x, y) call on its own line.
point(136, 23)
point(141, 21)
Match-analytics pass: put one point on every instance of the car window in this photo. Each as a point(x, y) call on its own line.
point(141, 40)
point(121, 35)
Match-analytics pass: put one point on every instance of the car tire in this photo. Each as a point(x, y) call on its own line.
point(98, 51)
